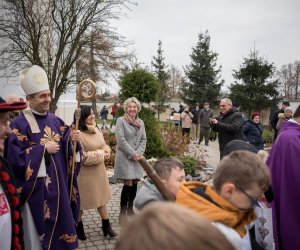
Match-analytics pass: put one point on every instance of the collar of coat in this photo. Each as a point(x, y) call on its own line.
point(211, 205)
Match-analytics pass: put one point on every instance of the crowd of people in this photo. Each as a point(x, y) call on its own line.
point(50, 172)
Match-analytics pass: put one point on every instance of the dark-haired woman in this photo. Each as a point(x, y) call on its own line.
point(92, 180)
point(252, 131)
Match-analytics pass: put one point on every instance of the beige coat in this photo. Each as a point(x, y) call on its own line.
point(186, 119)
point(93, 183)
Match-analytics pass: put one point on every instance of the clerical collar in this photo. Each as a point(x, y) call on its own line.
point(38, 113)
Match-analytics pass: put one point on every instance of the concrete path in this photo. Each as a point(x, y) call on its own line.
point(92, 221)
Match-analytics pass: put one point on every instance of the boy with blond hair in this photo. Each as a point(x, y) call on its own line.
point(239, 181)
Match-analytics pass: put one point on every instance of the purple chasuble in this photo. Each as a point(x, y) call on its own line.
point(284, 165)
point(48, 197)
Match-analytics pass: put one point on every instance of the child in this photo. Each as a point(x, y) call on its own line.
point(171, 172)
point(239, 181)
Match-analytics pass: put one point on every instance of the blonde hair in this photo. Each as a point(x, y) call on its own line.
point(130, 100)
point(244, 169)
point(168, 226)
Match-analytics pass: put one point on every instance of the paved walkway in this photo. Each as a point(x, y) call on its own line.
point(92, 221)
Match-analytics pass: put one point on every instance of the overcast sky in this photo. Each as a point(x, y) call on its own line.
point(234, 26)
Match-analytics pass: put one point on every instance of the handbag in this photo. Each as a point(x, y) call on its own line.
point(264, 226)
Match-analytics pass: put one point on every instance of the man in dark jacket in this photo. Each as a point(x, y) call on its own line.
point(228, 124)
point(205, 116)
point(196, 122)
point(275, 118)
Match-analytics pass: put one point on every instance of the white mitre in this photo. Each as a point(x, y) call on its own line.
point(34, 80)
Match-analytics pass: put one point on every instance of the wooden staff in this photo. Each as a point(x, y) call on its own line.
point(86, 90)
point(151, 173)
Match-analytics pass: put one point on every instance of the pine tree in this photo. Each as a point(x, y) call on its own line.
point(202, 77)
point(257, 88)
point(160, 70)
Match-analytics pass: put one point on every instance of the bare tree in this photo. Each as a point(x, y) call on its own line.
point(52, 34)
point(101, 58)
point(174, 81)
point(289, 76)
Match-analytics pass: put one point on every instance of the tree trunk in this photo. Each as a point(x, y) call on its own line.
point(297, 80)
point(53, 105)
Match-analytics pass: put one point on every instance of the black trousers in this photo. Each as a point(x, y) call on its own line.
point(186, 131)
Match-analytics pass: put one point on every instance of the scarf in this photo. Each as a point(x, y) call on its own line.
point(132, 121)
point(91, 128)
point(214, 207)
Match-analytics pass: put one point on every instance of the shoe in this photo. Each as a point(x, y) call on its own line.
point(206, 144)
point(199, 142)
point(107, 230)
point(80, 231)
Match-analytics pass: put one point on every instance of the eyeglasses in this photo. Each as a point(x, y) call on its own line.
point(253, 201)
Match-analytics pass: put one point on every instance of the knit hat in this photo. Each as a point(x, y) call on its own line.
point(254, 114)
point(34, 80)
point(235, 145)
point(5, 107)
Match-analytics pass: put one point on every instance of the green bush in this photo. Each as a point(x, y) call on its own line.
point(110, 140)
point(190, 164)
point(268, 135)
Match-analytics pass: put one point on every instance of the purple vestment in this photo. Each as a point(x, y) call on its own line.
point(284, 164)
point(48, 197)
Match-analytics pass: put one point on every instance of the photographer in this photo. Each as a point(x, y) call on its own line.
point(186, 118)
point(228, 124)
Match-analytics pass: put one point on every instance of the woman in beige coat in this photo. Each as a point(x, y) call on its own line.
point(186, 120)
point(93, 183)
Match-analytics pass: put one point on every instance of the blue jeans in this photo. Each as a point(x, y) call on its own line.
point(103, 123)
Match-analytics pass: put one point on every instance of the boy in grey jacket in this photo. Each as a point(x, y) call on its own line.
point(171, 172)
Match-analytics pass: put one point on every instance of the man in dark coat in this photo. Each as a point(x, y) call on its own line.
point(275, 118)
point(205, 116)
point(196, 122)
point(228, 124)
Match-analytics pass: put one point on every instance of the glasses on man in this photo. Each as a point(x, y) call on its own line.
point(253, 201)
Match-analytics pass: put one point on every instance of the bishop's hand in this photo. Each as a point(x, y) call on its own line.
point(52, 147)
point(75, 134)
